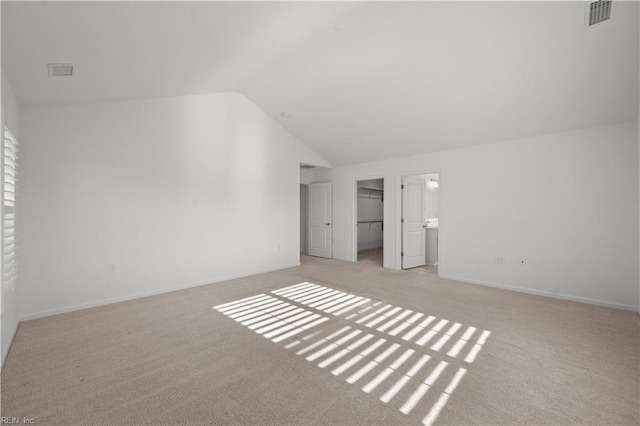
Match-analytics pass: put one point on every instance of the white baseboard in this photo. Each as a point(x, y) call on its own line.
point(544, 293)
point(93, 304)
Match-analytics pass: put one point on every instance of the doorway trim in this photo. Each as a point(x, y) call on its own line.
point(354, 216)
point(398, 207)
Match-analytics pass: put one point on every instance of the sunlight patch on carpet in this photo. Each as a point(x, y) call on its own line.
point(408, 359)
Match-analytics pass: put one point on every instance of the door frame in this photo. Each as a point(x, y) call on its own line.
point(398, 207)
point(354, 216)
point(304, 219)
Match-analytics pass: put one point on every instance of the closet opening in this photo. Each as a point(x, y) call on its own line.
point(370, 221)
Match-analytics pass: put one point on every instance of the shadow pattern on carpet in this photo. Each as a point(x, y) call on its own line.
point(359, 339)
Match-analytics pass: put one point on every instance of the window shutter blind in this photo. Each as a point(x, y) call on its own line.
point(9, 177)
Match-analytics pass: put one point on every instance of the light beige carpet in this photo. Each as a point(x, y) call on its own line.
point(173, 359)
point(371, 256)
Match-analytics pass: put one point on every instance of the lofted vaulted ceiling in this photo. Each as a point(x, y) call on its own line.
point(359, 81)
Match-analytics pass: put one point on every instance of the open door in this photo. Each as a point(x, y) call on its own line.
point(413, 222)
point(320, 236)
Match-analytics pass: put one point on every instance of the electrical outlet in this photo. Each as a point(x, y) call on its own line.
point(111, 268)
point(500, 260)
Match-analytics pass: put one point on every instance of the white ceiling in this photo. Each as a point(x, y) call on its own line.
point(398, 79)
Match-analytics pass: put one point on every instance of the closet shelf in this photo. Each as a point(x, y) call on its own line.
point(375, 193)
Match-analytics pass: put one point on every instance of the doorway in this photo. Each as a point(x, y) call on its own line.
point(370, 221)
point(420, 221)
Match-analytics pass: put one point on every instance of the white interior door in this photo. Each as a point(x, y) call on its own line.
point(413, 223)
point(320, 238)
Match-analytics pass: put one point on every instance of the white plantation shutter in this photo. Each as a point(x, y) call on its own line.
point(9, 178)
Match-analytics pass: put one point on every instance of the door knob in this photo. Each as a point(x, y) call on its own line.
point(328, 223)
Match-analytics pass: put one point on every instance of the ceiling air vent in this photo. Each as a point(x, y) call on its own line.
point(599, 11)
point(60, 70)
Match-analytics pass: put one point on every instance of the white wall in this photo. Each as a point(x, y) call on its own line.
point(370, 208)
point(567, 203)
point(174, 192)
point(11, 119)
